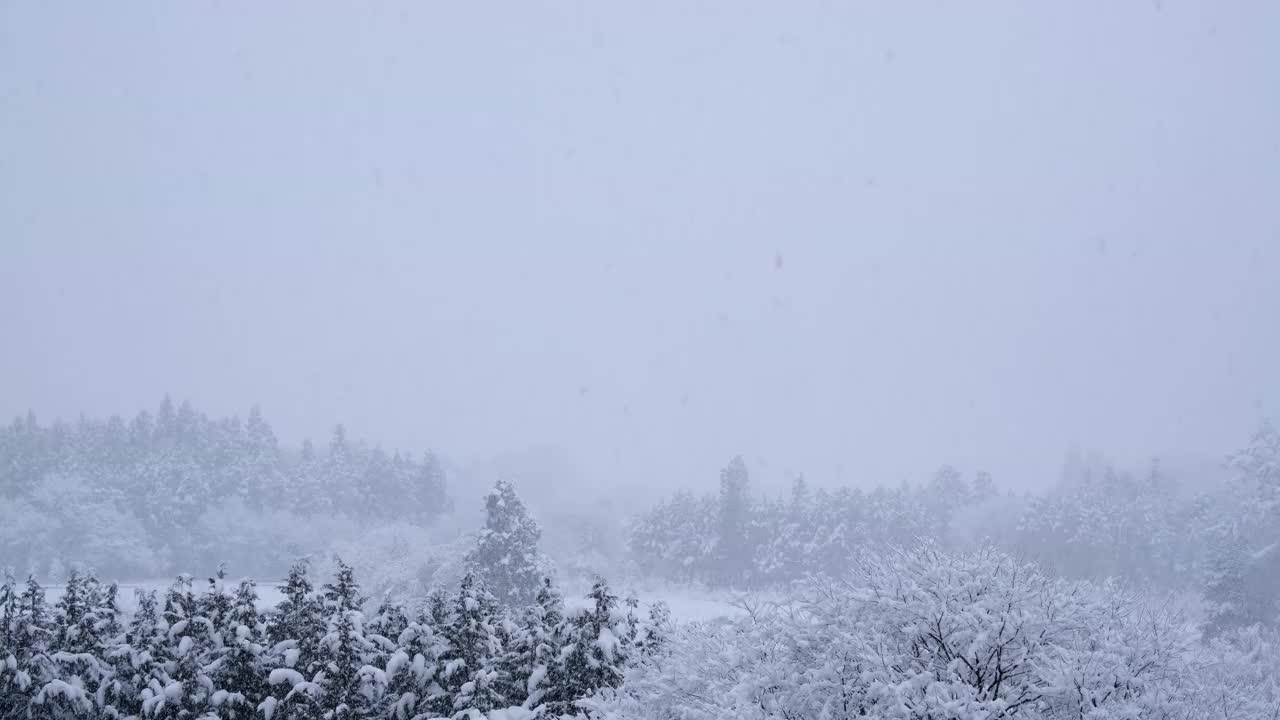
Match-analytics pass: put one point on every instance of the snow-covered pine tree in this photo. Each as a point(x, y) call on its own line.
point(113, 653)
point(188, 651)
point(733, 554)
point(258, 470)
point(107, 616)
point(470, 674)
point(429, 491)
point(240, 677)
point(532, 651)
point(8, 615)
point(389, 619)
point(344, 649)
point(506, 560)
point(31, 641)
point(343, 594)
point(139, 675)
point(411, 672)
point(654, 632)
point(295, 630)
point(77, 664)
point(592, 655)
point(12, 655)
point(384, 628)
point(296, 625)
point(215, 603)
point(44, 693)
point(69, 616)
point(340, 679)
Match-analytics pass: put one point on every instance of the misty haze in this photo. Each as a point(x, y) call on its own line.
point(650, 361)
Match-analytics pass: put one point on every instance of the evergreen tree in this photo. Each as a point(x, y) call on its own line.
point(340, 677)
point(32, 667)
point(428, 490)
point(733, 553)
point(533, 650)
point(140, 677)
point(69, 617)
point(593, 653)
point(240, 677)
point(10, 618)
point(297, 624)
point(344, 646)
point(470, 674)
point(411, 672)
point(343, 594)
point(383, 630)
point(505, 560)
point(187, 648)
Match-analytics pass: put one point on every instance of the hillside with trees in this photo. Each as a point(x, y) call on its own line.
point(178, 489)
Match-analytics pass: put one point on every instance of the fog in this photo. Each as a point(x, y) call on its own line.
point(853, 241)
point(584, 361)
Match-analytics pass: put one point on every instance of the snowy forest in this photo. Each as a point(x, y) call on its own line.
point(1112, 594)
point(420, 360)
point(173, 490)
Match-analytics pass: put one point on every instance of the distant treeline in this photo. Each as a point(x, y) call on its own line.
point(505, 639)
point(161, 475)
point(1221, 538)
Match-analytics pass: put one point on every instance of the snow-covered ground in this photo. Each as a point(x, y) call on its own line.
point(686, 605)
point(268, 593)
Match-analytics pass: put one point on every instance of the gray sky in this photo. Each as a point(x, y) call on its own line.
point(854, 239)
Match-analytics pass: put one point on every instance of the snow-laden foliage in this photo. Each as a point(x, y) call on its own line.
point(205, 651)
point(209, 653)
point(505, 558)
point(178, 488)
point(920, 635)
point(1152, 528)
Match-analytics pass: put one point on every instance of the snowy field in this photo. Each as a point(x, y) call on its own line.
point(686, 605)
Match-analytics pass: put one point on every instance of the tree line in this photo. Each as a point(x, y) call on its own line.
point(317, 655)
point(148, 486)
point(924, 634)
point(1221, 539)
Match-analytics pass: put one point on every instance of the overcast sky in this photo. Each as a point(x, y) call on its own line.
point(853, 239)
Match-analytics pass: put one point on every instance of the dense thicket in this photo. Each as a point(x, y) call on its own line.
point(1150, 529)
point(213, 653)
point(169, 489)
point(919, 634)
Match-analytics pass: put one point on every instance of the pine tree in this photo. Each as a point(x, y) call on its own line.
point(240, 677)
point(107, 617)
point(344, 648)
point(429, 492)
point(139, 662)
point(32, 667)
point(384, 628)
point(35, 623)
point(10, 618)
point(118, 694)
point(343, 594)
point(505, 560)
point(187, 650)
point(733, 553)
point(296, 625)
point(70, 614)
point(654, 633)
point(412, 669)
point(533, 651)
point(470, 674)
point(340, 678)
point(8, 613)
point(259, 469)
point(592, 654)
